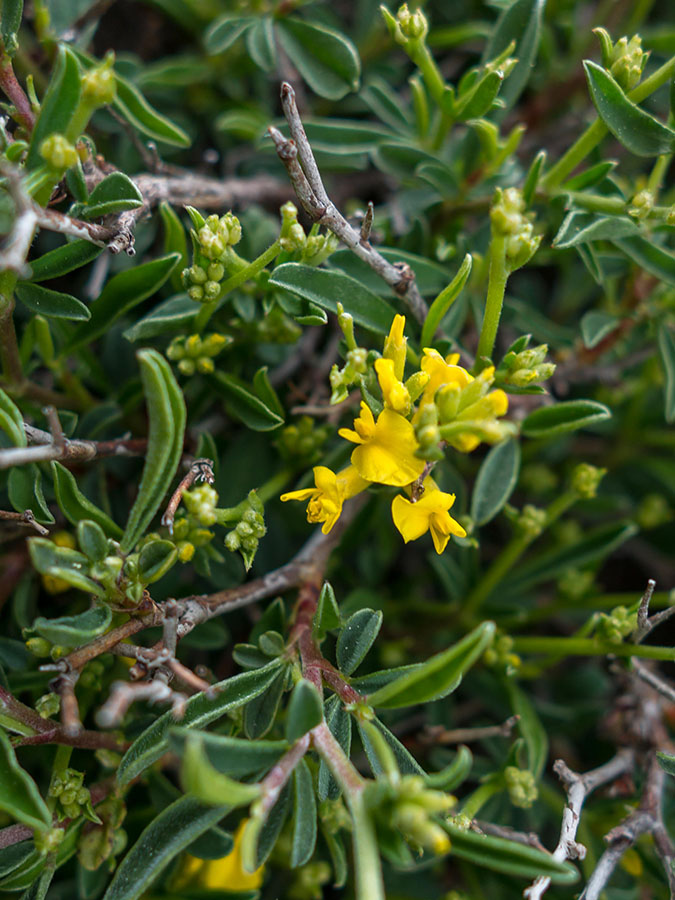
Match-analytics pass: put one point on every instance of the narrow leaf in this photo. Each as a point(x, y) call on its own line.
point(650, 256)
point(595, 326)
point(58, 104)
point(11, 420)
point(667, 350)
point(552, 421)
point(19, 795)
point(327, 616)
point(305, 710)
point(75, 506)
point(207, 784)
point(497, 477)
point(304, 816)
point(233, 756)
point(63, 260)
point(519, 21)
point(444, 301)
point(356, 639)
point(53, 304)
point(243, 404)
point(326, 59)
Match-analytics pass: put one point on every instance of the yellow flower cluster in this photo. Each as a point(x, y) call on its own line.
point(388, 449)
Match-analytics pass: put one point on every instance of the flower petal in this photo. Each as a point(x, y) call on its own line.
point(410, 521)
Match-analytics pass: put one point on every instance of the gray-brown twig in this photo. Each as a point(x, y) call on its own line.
point(24, 518)
point(44, 447)
point(298, 158)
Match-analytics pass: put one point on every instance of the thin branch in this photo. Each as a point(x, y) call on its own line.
point(528, 838)
point(64, 686)
point(438, 735)
point(578, 787)
point(23, 111)
point(665, 688)
point(123, 694)
point(200, 470)
point(643, 624)
point(298, 158)
point(24, 518)
point(273, 783)
point(44, 448)
point(84, 740)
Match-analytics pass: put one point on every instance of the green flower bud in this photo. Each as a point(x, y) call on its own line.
point(68, 796)
point(186, 367)
point(48, 705)
point(641, 205)
point(186, 550)
point(521, 786)
point(49, 840)
point(413, 26)
point(193, 346)
point(212, 344)
point(416, 384)
point(39, 647)
point(215, 272)
point(196, 293)
point(506, 214)
point(358, 360)
point(98, 85)
point(531, 521)
point(586, 479)
point(211, 290)
point(205, 365)
point(176, 349)
point(197, 275)
point(58, 152)
point(628, 61)
point(232, 541)
point(654, 510)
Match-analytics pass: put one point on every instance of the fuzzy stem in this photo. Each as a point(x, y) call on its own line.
point(578, 646)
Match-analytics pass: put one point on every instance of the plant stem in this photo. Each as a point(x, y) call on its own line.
point(273, 485)
point(9, 348)
point(234, 281)
point(658, 173)
point(475, 801)
point(595, 132)
point(495, 296)
point(577, 646)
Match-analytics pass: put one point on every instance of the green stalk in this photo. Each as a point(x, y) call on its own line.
point(497, 279)
point(658, 173)
point(475, 801)
point(274, 485)
point(579, 646)
point(595, 132)
point(234, 281)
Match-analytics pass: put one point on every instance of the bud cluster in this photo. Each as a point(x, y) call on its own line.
point(58, 152)
point(521, 785)
point(410, 807)
point(301, 443)
point(249, 527)
point(586, 480)
point(217, 234)
point(616, 625)
point(528, 367)
point(194, 353)
point(628, 61)
point(508, 219)
point(470, 413)
point(641, 205)
point(500, 654)
point(407, 27)
point(73, 799)
point(202, 283)
point(98, 84)
point(313, 248)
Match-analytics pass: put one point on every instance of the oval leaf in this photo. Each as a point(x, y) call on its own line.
point(73, 631)
point(231, 755)
point(551, 421)
point(75, 506)
point(63, 260)
point(326, 59)
point(356, 639)
point(50, 303)
point(305, 710)
point(243, 404)
point(19, 795)
point(497, 477)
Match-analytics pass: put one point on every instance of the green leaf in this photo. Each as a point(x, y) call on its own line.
point(304, 816)
point(115, 194)
point(63, 260)
point(243, 404)
point(552, 421)
point(155, 560)
point(58, 104)
point(327, 615)
point(174, 314)
point(38, 889)
point(24, 486)
point(529, 725)
point(74, 631)
point(356, 639)
point(261, 712)
point(340, 725)
point(595, 326)
point(225, 31)
point(12, 10)
point(200, 710)
point(260, 44)
point(444, 301)
point(75, 506)
point(406, 762)
point(175, 241)
point(496, 479)
point(13, 856)
point(266, 393)
point(29, 872)
point(430, 277)
point(520, 22)
point(50, 303)
point(506, 856)
point(636, 129)
point(64, 563)
point(533, 176)
point(171, 832)
point(582, 227)
point(650, 256)
point(19, 795)
point(207, 784)
point(453, 774)
point(439, 672)
point(92, 540)
point(596, 544)
point(327, 287)
point(667, 350)
point(11, 420)
point(305, 710)
point(325, 58)
point(666, 761)
point(122, 293)
point(166, 413)
point(591, 176)
point(478, 101)
point(233, 756)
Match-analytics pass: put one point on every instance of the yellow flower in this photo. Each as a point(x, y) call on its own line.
point(442, 371)
point(429, 513)
point(225, 874)
point(387, 448)
point(395, 346)
point(484, 412)
point(328, 495)
point(394, 392)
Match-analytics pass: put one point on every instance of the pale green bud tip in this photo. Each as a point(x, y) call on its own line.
point(413, 26)
point(58, 152)
point(98, 86)
point(641, 204)
point(521, 786)
point(531, 520)
point(38, 646)
point(586, 478)
point(627, 61)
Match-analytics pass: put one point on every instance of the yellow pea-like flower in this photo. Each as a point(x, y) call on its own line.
point(394, 392)
point(386, 451)
point(328, 494)
point(429, 513)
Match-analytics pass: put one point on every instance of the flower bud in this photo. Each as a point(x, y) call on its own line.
point(531, 521)
point(521, 786)
point(641, 205)
point(215, 272)
point(186, 367)
point(628, 61)
point(39, 647)
point(586, 479)
point(413, 26)
point(48, 705)
point(98, 85)
point(58, 152)
point(196, 293)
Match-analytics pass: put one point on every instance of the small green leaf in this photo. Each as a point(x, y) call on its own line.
point(356, 639)
point(11, 420)
point(582, 227)
point(533, 176)
point(405, 761)
point(19, 795)
point(521, 22)
point(74, 631)
point(265, 391)
point(636, 129)
point(207, 784)
point(595, 326)
point(225, 31)
point(171, 832)
point(114, 194)
point(64, 563)
point(260, 44)
point(444, 301)
point(440, 671)
point(552, 421)
point(305, 710)
point(243, 404)
point(261, 712)
point(453, 774)
point(166, 414)
point(38, 889)
point(531, 728)
point(24, 486)
point(325, 58)
point(174, 314)
point(92, 540)
point(52, 304)
point(506, 856)
point(12, 10)
point(496, 479)
point(304, 816)
point(200, 710)
point(328, 287)
point(122, 293)
point(155, 560)
point(478, 101)
point(327, 616)
point(63, 260)
point(667, 350)
point(666, 761)
point(650, 256)
point(233, 756)
point(75, 506)
point(591, 176)
point(24, 877)
point(58, 104)
point(175, 241)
